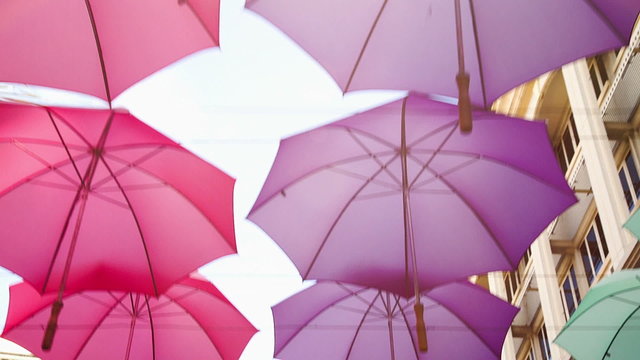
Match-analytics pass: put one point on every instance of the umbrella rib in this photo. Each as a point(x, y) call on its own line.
point(606, 21)
point(126, 310)
point(153, 333)
point(404, 316)
point(444, 173)
point(360, 177)
point(611, 295)
point(359, 297)
point(378, 195)
point(364, 133)
point(470, 328)
point(92, 299)
point(435, 153)
point(132, 326)
point(51, 111)
point(320, 311)
point(477, 215)
point(215, 40)
point(34, 141)
point(316, 170)
point(33, 176)
point(606, 352)
point(109, 200)
point(64, 143)
point(173, 300)
point(390, 326)
point(95, 328)
point(135, 218)
point(44, 162)
point(355, 336)
point(61, 238)
point(501, 163)
point(375, 158)
point(201, 327)
point(231, 246)
point(439, 129)
point(344, 209)
point(474, 24)
point(128, 164)
point(99, 48)
point(364, 46)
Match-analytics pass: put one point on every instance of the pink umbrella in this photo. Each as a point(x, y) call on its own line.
point(339, 321)
point(100, 47)
point(488, 46)
point(395, 198)
point(95, 199)
point(192, 320)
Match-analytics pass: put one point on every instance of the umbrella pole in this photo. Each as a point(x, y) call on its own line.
point(52, 325)
point(409, 239)
point(462, 78)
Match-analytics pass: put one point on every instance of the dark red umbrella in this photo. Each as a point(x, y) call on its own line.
point(100, 47)
point(96, 199)
point(192, 320)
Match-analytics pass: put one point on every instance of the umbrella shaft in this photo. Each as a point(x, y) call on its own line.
point(408, 228)
point(459, 38)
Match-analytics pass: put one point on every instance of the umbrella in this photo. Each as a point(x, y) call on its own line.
point(95, 199)
point(340, 321)
point(340, 198)
point(633, 224)
point(192, 320)
point(100, 47)
point(606, 325)
point(487, 46)
point(394, 198)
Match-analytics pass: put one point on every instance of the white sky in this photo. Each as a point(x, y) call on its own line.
point(231, 106)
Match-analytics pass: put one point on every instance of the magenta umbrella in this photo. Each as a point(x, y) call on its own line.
point(95, 199)
point(339, 321)
point(395, 198)
point(192, 320)
point(100, 47)
point(435, 46)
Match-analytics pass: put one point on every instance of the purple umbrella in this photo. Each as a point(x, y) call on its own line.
point(338, 321)
point(425, 45)
point(395, 198)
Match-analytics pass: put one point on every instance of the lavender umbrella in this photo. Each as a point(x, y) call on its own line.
point(339, 321)
point(395, 198)
point(488, 46)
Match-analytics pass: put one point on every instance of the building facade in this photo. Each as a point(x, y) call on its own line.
point(591, 109)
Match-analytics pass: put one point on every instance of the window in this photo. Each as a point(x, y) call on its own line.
point(531, 355)
point(543, 342)
point(598, 74)
point(630, 181)
point(513, 279)
point(511, 282)
point(594, 250)
point(569, 141)
point(570, 293)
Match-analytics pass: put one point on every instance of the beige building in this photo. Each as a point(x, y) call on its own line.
point(591, 108)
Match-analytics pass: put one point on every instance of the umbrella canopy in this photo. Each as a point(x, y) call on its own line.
point(633, 224)
point(606, 325)
point(100, 47)
point(414, 45)
point(192, 320)
point(396, 195)
point(95, 199)
point(340, 321)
